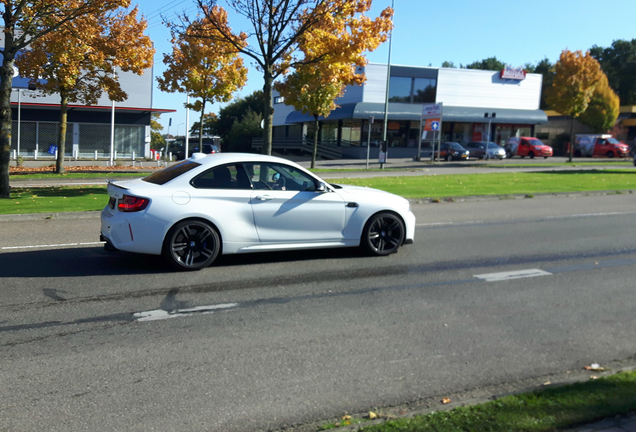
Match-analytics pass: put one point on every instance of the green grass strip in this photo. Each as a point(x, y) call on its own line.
point(457, 185)
point(54, 200)
point(541, 411)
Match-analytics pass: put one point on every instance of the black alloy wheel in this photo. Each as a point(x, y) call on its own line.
point(610, 154)
point(383, 234)
point(191, 245)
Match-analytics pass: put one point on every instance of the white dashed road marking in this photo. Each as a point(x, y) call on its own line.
point(160, 314)
point(517, 274)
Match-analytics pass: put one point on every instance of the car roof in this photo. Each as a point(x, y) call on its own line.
point(223, 158)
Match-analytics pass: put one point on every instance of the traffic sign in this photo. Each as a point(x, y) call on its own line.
point(431, 124)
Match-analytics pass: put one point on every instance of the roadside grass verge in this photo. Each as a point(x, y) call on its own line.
point(457, 185)
point(54, 200)
point(85, 198)
point(540, 411)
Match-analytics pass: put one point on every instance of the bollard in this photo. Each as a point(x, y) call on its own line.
point(35, 153)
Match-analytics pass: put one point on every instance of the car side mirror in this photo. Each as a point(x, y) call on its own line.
point(321, 187)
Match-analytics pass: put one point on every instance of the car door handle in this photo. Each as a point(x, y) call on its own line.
point(264, 197)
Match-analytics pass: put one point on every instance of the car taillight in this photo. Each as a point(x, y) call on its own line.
point(129, 203)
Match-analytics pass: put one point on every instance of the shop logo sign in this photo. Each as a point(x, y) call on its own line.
point(513, 73)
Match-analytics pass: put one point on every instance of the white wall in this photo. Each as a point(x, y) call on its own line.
point(485, 89)
point(374, 89)
point(138, 88)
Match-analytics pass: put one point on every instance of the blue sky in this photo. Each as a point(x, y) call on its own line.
point(431, 32)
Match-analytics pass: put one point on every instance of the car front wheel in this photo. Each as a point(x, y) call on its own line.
point(191, 245)
point(383, 234)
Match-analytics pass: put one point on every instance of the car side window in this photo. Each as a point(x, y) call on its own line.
point(231, 176)
point(278, 177)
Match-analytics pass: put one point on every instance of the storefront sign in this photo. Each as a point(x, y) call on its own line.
point(432, 110)
point(516, 74)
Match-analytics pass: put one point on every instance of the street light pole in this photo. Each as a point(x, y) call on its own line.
point(489, 117)
point(386, 97)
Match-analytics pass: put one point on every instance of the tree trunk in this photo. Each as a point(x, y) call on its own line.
point(61, 137)
point(268, 111)
point(6, 118)
point(314, 153)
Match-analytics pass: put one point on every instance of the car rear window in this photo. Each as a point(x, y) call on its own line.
point(171, 173)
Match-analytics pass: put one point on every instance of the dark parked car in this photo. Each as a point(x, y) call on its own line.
point(477, 149)
point(453, 151)
point(177, 147)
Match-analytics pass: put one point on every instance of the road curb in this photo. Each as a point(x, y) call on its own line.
point(47, 216)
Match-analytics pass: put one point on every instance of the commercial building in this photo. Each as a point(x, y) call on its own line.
point(509, 99)
point(36, 122)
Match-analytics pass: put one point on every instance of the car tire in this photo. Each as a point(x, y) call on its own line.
point(449, 158)
point(383, 234)
point(531, 155)
point(191, 245)
point(577, 153)
point(610, 154)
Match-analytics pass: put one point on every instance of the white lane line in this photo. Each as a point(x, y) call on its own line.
point(160, 314)
point(60, 245)
point(518, 274)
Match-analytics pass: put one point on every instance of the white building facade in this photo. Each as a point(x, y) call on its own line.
point(469, 98)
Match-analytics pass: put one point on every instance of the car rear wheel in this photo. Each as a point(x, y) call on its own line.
point(531, 155)
point(191, 245)
point(383, 234)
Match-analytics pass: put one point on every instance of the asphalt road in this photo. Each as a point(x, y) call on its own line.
point(260, 342)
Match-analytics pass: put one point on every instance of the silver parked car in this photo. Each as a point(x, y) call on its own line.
point(478, 149)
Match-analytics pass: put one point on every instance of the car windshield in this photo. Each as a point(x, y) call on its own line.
point(171, 173)
point(613, 141)
point(493, 146)
point(456, 146)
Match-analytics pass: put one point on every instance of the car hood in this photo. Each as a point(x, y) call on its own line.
point(358, 193)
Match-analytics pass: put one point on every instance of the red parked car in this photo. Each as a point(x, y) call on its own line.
point(527, 146)
point(599, 146)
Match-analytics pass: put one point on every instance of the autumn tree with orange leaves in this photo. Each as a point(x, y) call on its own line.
point(277, 29)
point(603, 109)
point(80, 60)
point(321, 78)
point(576, 78)
point(26, 21)
point(206, 68)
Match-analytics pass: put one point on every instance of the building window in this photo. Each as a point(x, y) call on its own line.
point(279, 99)
point(424, 90)
point(351, 133)
point(400, 89)
point(412, 90)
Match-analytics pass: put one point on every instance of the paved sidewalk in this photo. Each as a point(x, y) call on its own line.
point(617, 424)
